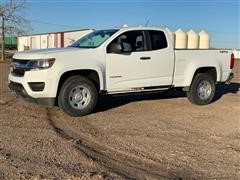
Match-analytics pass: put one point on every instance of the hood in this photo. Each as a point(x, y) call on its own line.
point(43, 53)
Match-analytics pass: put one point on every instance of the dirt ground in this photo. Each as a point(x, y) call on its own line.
point(128, 137)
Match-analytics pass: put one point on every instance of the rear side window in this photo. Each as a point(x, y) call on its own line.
point(158, 40)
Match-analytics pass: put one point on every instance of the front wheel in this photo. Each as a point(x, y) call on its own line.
point(77, 96)
point(202, 89)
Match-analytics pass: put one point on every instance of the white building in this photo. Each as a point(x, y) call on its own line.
point(236, 53)
point(51, 39)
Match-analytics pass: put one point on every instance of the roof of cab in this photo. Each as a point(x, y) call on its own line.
point(134, 28)
point(140, 28)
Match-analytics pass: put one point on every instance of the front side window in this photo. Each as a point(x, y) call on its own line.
point(131, 41)
point(94, 39)
point(158, 40)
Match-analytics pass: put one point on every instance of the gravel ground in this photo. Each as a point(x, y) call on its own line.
point(140, 136)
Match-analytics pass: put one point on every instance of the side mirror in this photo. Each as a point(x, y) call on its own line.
point(115, 48)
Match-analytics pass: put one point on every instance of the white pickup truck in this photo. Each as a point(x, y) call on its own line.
point(116, 61)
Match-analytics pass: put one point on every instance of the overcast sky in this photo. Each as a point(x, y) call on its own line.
point(218, 17)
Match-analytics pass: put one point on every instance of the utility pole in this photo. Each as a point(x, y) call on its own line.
point(3, 39)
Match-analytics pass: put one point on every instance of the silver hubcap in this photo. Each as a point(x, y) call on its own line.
point(204, 90)
point(79, 97)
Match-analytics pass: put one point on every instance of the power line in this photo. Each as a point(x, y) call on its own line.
point(64, 25)
point(53, 24)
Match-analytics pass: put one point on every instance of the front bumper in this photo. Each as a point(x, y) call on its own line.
point(230, 77)
point(20, 91)
point(48, 78)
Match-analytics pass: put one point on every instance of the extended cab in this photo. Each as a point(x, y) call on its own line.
point(116, 61)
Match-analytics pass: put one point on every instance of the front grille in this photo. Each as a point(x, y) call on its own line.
point(21, 61)
point(18, 67)
point(18, 72)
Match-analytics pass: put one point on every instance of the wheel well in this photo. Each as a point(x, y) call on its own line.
point(210, 70)
point(89, 74)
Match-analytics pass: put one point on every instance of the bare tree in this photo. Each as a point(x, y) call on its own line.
point(12, 21)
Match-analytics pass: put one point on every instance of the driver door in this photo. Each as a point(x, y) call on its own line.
point(127, 69)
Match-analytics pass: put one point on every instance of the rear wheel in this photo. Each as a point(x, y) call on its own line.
point(202, 89)
point(78, 96)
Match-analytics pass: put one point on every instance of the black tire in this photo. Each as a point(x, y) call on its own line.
point(197, 93)
point(73, 101)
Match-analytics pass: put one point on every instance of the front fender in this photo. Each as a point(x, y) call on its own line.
point(61, 69)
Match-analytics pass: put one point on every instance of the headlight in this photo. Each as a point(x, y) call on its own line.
point(40, 64)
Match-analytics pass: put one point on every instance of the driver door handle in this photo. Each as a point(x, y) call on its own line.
point(145, 58)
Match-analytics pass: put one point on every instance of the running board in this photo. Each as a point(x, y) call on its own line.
point(137, 90)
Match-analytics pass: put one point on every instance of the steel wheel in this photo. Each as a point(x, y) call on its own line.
point(204, 90)
point(79, 97)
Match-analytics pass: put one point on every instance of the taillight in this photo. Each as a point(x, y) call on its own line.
point(232, 61)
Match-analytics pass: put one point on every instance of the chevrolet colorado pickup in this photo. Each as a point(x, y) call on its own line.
point(116, 61)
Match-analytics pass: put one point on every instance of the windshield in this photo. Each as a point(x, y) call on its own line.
point(94, 39)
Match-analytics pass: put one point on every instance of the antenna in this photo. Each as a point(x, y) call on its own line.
point(147, 22)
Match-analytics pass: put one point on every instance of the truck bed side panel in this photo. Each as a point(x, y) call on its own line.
point(188, 61)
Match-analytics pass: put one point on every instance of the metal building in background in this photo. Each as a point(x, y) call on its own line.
point(10, 42)
point(236, 53)
point(50, 40)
